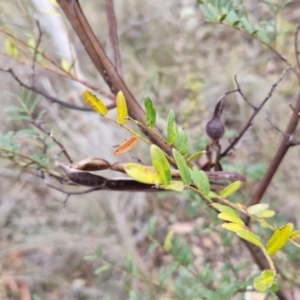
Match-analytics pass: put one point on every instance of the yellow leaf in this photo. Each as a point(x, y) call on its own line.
point(234, 227)
point(11, 49)
point(266, 214)
point(279, 238)
point(176, 186)
point(122, 110)
point(94, 103)
point(231, 218)
point(126, 146)
point(168, 241)
point(264, 281)
point(231, 189)
point(250, 237)
point(257, 208)
point(65, 66)
point(142, 174)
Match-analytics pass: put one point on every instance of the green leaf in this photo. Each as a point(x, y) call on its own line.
point(257, 208)
point(161, 164)
point(150, 112)
point(279, 238)
point(94, 103)
point(182, 144)
point(151, 226)
point(102, 269)
point(19, 118)
point(122, 110)
point(201, 181)
point(264, 281)
point(250, 237)
point(206, 12)
point(89, 257)
point(213, 11)
point(15, 108)
point(176, 186)
point(234, 218)
point(27, 131)
point(142, 174)
point(231, 189)
point(234, 227)
point(33, 105)
point(99, 250)
point(195, 156)
point(222, 18)
point(171, 128)
point(247, 25)
point(182, 167)
point(7, 142)
point(232, 18)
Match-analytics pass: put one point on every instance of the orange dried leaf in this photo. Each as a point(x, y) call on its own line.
point(126, 146)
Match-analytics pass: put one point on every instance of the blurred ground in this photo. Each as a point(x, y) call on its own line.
point(170, 54)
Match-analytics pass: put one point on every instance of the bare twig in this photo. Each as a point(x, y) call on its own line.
point(38, 125)
point(297, 52)
point(242, 94)
point(51, 98)
point(255, 112)
point(113, 34)
point(292, 141)
point(36, 47)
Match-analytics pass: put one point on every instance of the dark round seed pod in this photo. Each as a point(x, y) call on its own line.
point(215, 129)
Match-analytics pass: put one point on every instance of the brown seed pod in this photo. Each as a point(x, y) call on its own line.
point(215, 129)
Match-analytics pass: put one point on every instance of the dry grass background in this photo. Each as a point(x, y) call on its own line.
point(169, 53)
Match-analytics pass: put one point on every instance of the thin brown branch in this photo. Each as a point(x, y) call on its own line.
point(97, 54)
point(51, 98)
point(255, 112)
point(242, 94)
point(38, 124)
point(113, 34)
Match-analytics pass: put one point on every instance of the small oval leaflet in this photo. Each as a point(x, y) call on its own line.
point(234, 218)
point(94, 103)
point(181, 143)
point(176, 186)
point(142, 174)
point(257, 208)
point(201, 181)
point(234, 227)
point(126, 146)
point(279, 238)
point(182, 167)
point(161, 164)
point(122, 110)
point(150, 112)
point(171, 128)
point(168, 241)
point(264, 281)
point(195, 155)
point(250, 237)
point(231, 189)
